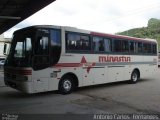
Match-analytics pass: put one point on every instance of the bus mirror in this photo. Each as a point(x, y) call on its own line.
point(5, 49)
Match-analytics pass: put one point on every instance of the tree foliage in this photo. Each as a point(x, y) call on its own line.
point(151, 31)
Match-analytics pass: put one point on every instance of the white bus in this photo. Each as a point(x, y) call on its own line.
point(47, 58)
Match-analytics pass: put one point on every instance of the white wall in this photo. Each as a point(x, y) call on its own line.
point(1, 44)
point(1, 49)
point(2, 40)
point(2, 37)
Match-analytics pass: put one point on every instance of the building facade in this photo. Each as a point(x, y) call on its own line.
point(2, 42)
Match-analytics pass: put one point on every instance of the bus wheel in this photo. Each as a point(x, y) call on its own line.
point(66, 85)
point(134, 77)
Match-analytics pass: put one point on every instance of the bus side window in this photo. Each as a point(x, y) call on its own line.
point(95, 44)
point(101, 45)
point(77, 42)
point(139, 47)
point(154, 48)
point(107, 45)
point(117, 45)
point(132, 47)
point(149, 48)
point(72, 41)
point(146, 47)
point(98, 43)
point(125, 46)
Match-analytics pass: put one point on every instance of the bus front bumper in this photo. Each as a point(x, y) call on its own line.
point(25, 87)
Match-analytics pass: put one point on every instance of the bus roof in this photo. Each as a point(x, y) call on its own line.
point(123, 37)
point(74, 29)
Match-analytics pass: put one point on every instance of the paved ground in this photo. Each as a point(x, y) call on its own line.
point(143, 97)
point(1, 77)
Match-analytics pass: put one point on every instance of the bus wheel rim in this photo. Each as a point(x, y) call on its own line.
point(134, 77)
point(67, 85)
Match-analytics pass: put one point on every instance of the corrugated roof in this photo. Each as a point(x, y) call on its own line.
point(14, 11)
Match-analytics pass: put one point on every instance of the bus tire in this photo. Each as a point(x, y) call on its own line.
point(66, 85)
point(134, 77)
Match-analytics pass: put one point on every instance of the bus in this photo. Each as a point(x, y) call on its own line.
point(46, 58)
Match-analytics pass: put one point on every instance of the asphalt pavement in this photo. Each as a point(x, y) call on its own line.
point(1, 78)
point(120, 97)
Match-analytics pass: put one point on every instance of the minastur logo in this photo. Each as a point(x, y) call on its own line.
point(114, 59)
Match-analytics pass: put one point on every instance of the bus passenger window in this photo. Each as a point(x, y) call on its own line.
point(117, 45)
point(84, 42)
point(77, 42)
point(139, 47)
point(107, 45)
point(154, 49)
point(146, 47)
point(132, 47)
point(98, 44)
point(125, 46)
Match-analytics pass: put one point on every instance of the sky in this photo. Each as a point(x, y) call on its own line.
point(107, 16)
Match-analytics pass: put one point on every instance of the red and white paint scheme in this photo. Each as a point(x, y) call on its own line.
point(63, 58)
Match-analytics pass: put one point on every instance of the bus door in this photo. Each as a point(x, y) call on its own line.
point(41, 61)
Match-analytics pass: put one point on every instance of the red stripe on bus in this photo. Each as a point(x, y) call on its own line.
point(25, 72)
point(68, 65)
point(20, 72)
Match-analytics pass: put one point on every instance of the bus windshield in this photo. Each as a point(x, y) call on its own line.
point(21, 50)
point(45, 53)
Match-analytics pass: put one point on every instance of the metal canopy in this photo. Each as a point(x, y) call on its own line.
point(14, 11)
